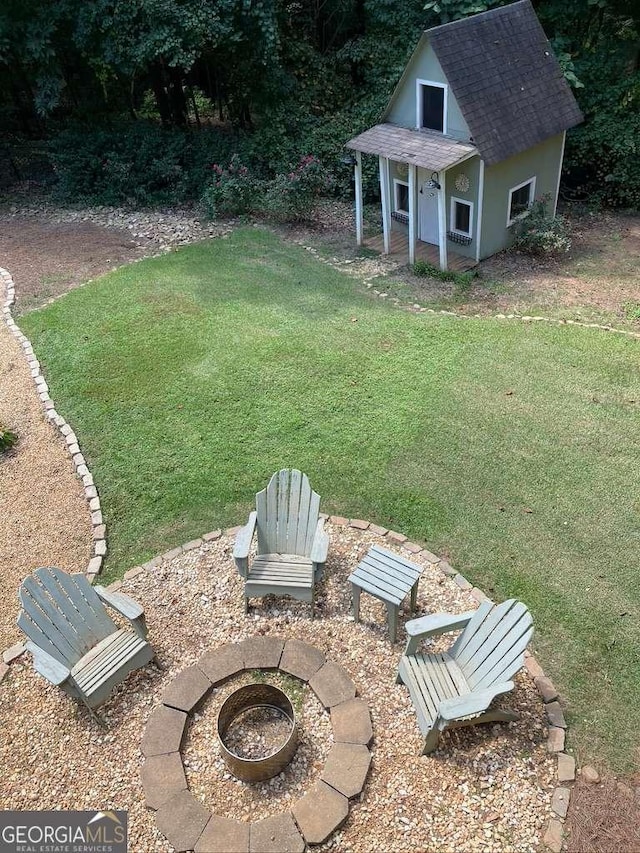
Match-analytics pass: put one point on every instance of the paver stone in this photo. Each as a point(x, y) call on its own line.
point(261, 652)
point(351, 722)
point(224, 835)
point(164, 731)
point(346, 768)
point(277, 834)
point(332, 685)
point(162, 778)
point(301, 659)
point(222, 663)
point(320, 812)
point(182, 819)
point(187, 689)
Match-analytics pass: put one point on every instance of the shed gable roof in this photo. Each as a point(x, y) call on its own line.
point(507, 82)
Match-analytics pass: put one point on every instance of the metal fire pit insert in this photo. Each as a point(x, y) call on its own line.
point(247, 698)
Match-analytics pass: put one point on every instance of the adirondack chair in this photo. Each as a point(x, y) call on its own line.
point(456, 688)
point(292, 546)
point(74, 642)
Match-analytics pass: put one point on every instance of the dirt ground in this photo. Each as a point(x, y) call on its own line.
point(47, 259)
point(600, 274)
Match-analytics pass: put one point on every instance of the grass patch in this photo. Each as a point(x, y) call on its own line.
point(512, 448)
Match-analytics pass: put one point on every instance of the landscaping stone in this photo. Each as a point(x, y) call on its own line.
point(233, 531)
point(434, 559)
point(339, 520)
point(555, 715)
point(479, 595)
point(447, 569)
point(100, 548)
point(412, 547)
point(172, 554)
point(95, 564)
point(164, 731)
point(332, 685)
point(277, 834)
point(553, 835)
point(397, 538)
point(320, 812)
point(261, 652)
point(13, 653)
point(192, 545)
point(99, 532)
point(546, 688)
point(379, 531)
point(301, 659)
point(212, 536)
point(182, 819)
point(566, 767)
point(222, 835)
point(590, 774)
point(135, 572)
point(560, 801)
point(346, 768)
point(187, 689)
point(162, 778)
point(533, 667)
point(4, 669)
point(555, 740)
point(94, 504)
point(222, 663)
point(462, 582)
point(96, 518)
point(359, 524)
point(351, 722)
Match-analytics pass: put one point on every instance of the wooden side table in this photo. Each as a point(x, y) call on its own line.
point(388, 577)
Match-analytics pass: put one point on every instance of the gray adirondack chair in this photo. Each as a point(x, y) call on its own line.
point(456, 688)
point(292, 546)
point(74, 642)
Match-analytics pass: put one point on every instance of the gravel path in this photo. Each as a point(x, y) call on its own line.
point(44, 517)
point(486, 788)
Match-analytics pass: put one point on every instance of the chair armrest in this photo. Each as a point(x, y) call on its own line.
point(127, 607)
point(472, 703)
point(320, 545)
point(48, 666)
point(242, 545)
point(432, 625)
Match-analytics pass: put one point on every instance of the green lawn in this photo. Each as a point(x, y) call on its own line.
point(512, 448)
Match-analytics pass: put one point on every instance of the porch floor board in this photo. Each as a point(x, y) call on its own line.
point(424, 251)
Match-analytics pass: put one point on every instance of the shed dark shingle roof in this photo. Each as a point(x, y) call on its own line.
point(506, 80)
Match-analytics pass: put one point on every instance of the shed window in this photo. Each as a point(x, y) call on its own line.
point(431, 105)
point(461, 218)
point(520, 200)
point(401, 196)
point(433, 108)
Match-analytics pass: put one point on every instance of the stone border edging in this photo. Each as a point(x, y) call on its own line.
point(185, 822)
point(416, 308)
point(98, 527)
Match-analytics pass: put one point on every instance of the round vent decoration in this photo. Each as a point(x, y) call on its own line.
point(403, 170)
point(462, 183)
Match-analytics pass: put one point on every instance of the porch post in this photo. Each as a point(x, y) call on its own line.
point(386, 207)
point(357, 171)
point(442, 221)
point(412, 214)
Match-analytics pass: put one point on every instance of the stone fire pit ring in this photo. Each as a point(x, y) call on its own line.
point(248, 698)
point(186, 822)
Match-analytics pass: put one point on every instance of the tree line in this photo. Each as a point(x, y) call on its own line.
point(281, 79)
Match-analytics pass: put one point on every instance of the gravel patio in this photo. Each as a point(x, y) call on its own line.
point(486, 788)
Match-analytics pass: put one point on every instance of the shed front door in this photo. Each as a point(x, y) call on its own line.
point(428, 208)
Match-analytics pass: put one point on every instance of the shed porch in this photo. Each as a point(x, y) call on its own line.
point(399, 247)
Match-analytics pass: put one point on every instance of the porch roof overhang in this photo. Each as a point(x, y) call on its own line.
point(425, 148)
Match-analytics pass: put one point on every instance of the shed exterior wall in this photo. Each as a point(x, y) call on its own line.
point(424, 65)
point(542, 161)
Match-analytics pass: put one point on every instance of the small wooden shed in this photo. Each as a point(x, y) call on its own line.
point(472, 135)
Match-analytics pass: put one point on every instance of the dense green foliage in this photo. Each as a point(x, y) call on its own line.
point(7, 438)
point(511, 447)
point(540, 233)
point(273, 82)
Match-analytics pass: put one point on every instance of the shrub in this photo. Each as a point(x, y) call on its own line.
point(539, 233)
point(7, 438)
point(426, 270)
point(290, 197)
point(232, 191)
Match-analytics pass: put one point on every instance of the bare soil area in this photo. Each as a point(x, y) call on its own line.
point(47, 259)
